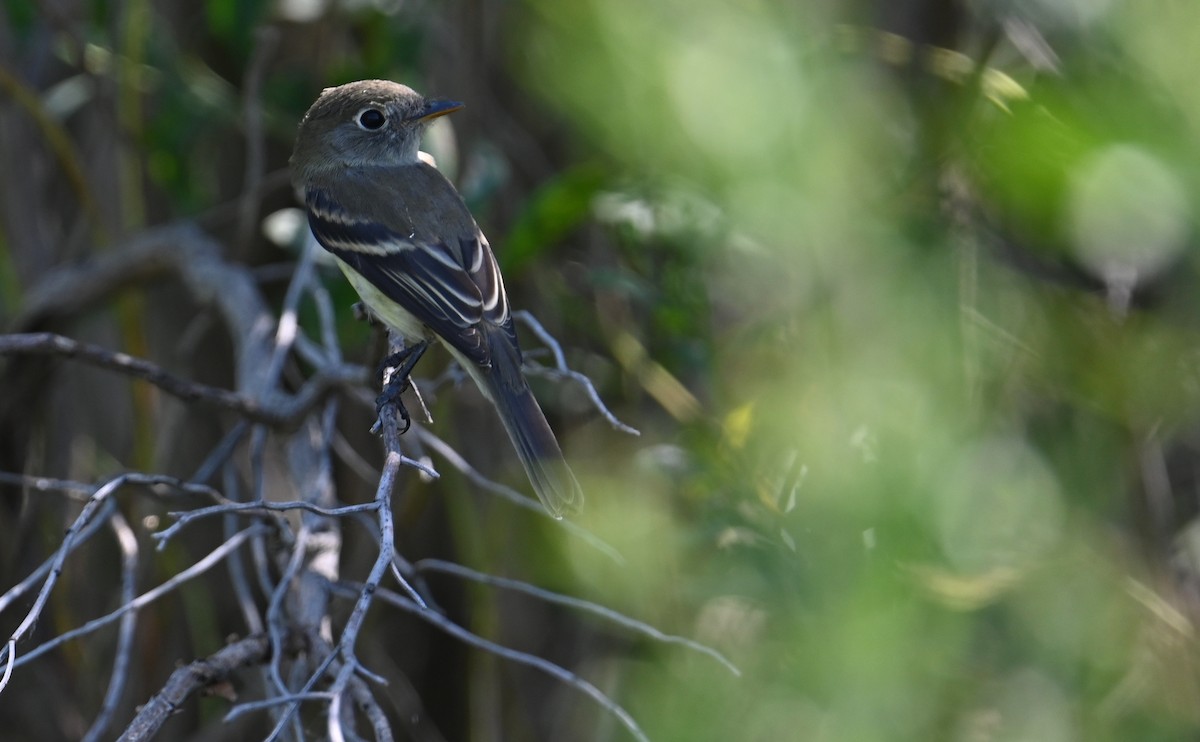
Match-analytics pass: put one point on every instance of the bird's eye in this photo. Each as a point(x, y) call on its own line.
point(370, 119)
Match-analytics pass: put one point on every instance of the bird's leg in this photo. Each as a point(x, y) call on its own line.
point(403, 363)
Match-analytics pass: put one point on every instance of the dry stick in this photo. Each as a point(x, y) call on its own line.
point(311, 461)
point(198, 263)
point(16, 591)
point(268, 703)
point(561, 369)
point(220, 454)
point(183, 251)
point(262, 507)
point(524, 658)
point(74, 490)
point(322, 566)
point(127, 541)
point(9, 653)
point(350, 456)
point(358, 689)
point(391, 467)
point(276, 628)
point(326, 317)
point(146, 598)
point(285, 412)
point(383, 495)
point(439, 565)
point(236, 565)
point(258, 549)
point(187, 680)
point(455, 459)
point(286, 331)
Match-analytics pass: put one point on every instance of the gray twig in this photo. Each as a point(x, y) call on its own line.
point(187, 680)
point(261, 507)
point(455, 459)
point(285, 411)
point(439, 565)
point(9, 653)
point(127, 541)
point(561, 370)
point(557, 672)
point(212, 558)
point(16, 591)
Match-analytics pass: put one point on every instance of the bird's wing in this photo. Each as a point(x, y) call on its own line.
point(451, 283)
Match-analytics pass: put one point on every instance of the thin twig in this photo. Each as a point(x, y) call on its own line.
point(277, 626)
point(383, 493)
point(86, 514)
point(455, 459)
point(262, 507)
point(562, 370)
point(220, 454)
point(127, 541)
point(283, 412)
point(439, 565)
point(236, 566)
point(75, 490)
point(266, 703)
point(146, 598)
point(16, 591)
point(557, 672)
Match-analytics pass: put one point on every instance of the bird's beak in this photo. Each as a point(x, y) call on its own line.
point(435, 108)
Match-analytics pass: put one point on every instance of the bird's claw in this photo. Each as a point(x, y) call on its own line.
point(391, 396)
point(403, 363)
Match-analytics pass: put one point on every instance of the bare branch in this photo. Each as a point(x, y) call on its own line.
point(220, 453)
point(294, 572)
point(345, 649)
point(236, 566)
point(51, 344)
point(261, 507)
point(127, 541)
point(212, 558)
point(524, 658)
point(187, 680)
point(284, 412)
point(456, 460)
point(9, 653)
point(75, 490)
point(16, 591)
point(561, 370)
point(439, 565)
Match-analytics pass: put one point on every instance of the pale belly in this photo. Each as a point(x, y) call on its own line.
point(400, 320)
point(388, 311)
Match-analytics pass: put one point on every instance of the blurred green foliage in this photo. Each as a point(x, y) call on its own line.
point(916, 496)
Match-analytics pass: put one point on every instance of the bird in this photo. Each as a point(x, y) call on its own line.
point(408, 244)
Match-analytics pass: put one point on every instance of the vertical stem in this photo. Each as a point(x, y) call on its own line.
point(131, 307)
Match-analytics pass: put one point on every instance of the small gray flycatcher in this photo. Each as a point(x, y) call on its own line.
point(407, 242)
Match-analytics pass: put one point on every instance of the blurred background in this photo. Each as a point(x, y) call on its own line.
point(902, 296)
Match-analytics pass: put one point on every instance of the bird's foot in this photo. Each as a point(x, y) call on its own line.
point(401, 365)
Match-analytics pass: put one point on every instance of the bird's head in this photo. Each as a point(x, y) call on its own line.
point(370, 122)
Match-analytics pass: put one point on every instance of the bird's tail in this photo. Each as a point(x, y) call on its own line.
point(531, 435)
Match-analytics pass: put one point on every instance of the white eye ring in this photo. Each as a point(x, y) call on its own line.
point(370, 118)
